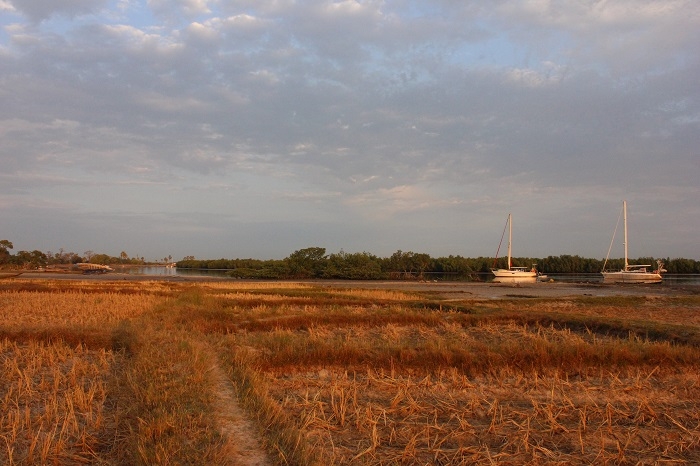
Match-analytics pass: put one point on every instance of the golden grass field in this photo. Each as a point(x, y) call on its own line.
point(157, 372)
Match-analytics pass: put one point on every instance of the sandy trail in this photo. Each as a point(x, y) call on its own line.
point(242, 446)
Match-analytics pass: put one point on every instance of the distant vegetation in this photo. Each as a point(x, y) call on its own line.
point(314, 263)
point(36, 258)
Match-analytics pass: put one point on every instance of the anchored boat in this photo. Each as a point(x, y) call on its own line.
point(638, 273)
point(513, 274)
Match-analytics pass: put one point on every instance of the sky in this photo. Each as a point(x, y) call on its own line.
point(253, 129)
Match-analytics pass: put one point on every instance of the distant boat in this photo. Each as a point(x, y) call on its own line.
point(639, 273)
point(513, 274)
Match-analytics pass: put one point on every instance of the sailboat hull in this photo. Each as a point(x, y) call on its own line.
point(631, 276)
point(514, 276)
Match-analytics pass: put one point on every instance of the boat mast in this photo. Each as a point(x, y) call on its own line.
point(624, 214)
point(510, 237)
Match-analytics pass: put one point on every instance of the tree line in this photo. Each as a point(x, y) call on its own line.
point(315, 263)
point(36, 259)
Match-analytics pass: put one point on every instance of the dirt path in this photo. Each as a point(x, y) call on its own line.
point(241, 445)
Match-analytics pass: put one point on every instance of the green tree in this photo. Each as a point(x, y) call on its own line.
point(102, 259)
point(453, 267)
point(307, 263)
point(408, 264)
point(357, 266)
point(682, 266)
point(5, 246)
point(29, 260)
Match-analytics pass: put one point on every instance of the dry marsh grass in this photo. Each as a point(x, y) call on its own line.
point(130, 373)
point(73, 308)
point(53, 403)
point(166, 398)
point(90, 286)
point(472, 350)
point(507, 417)
point(513, 382)
point(259, 286)
point(149, 390)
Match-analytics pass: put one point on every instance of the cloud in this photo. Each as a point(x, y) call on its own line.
point(173, 11)
point(621, 37)
point(38, 10)
point(370, 111)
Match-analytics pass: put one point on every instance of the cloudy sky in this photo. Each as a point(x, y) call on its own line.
point(241, 128)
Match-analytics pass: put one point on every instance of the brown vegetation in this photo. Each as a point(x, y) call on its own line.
point(131, 373)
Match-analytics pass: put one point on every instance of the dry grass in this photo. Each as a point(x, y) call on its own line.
point(509, 416)
point(89, 286)
point(372, 385)
point(72, 308)
point(166, 399)
point(102, 377)
point(128, 373)
point(53, 403)
point(258, 286)
point(378, 295)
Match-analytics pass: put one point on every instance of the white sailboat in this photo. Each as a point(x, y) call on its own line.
point(632, 273)
point(513, 274)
